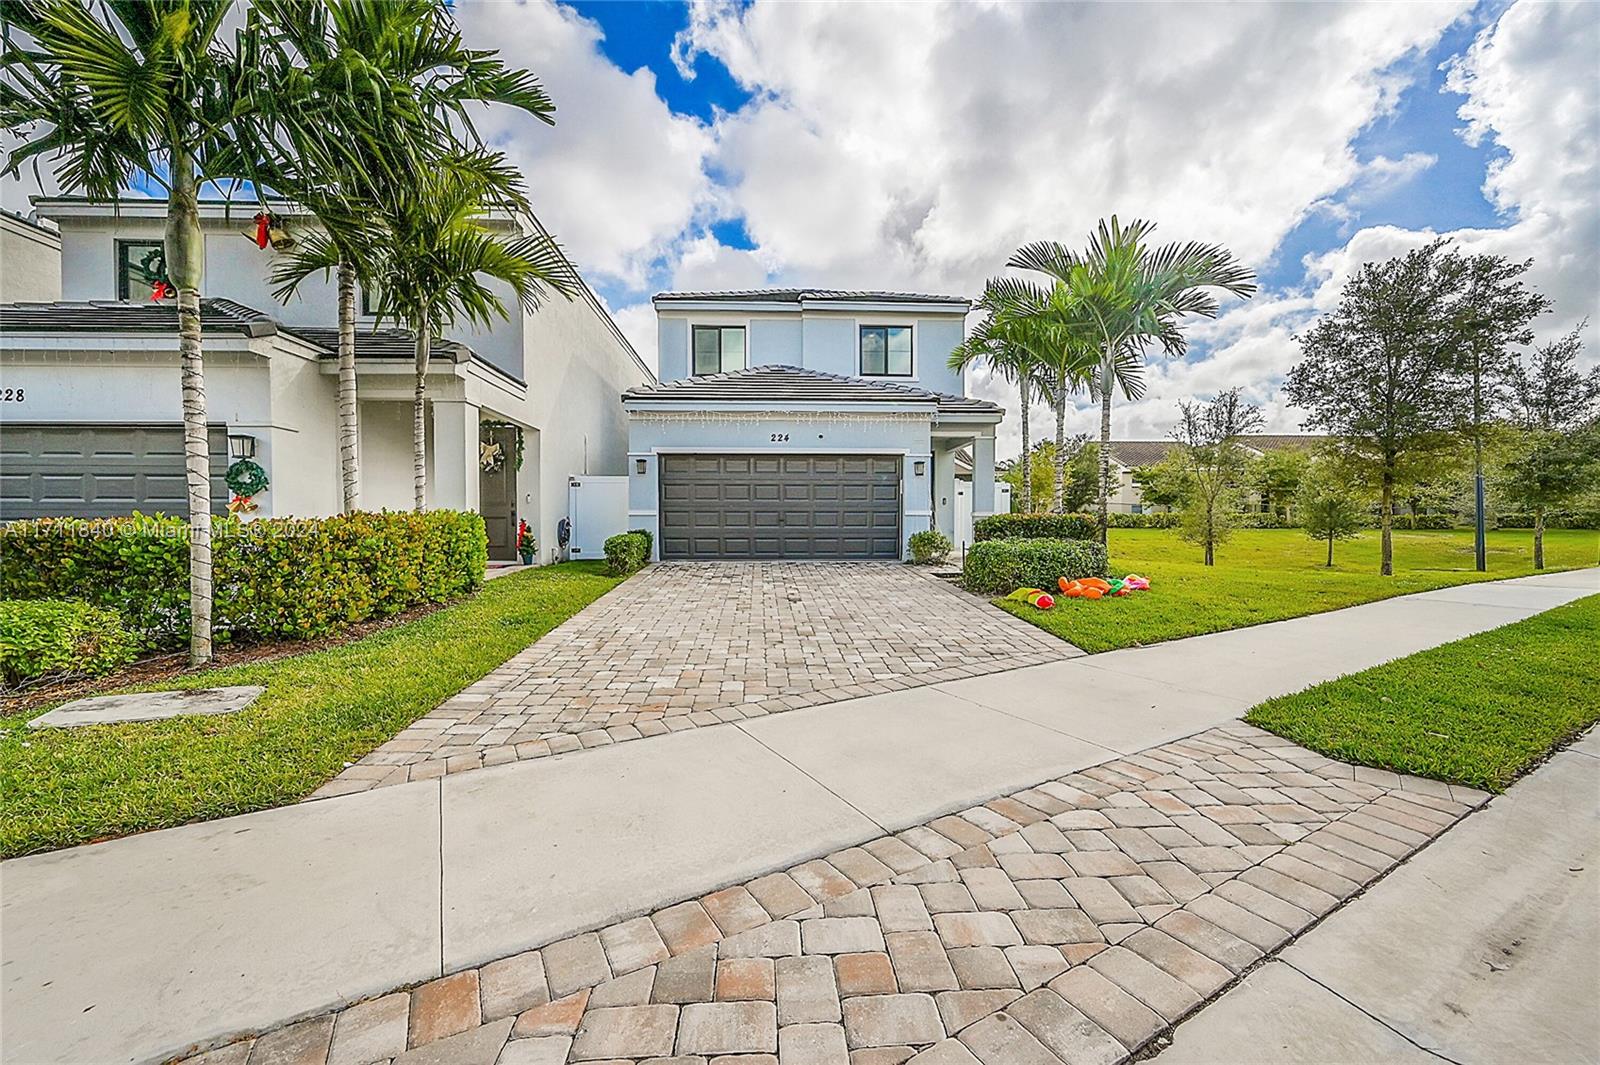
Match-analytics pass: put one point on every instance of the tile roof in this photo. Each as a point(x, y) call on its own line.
point(380, 343)
point(1133, 453)
point(807, 295)
point(109, 316)
point(793, 384)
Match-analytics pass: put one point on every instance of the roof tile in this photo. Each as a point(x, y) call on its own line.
point(794, 384)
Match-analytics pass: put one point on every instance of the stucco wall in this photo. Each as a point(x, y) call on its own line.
point(30, 262)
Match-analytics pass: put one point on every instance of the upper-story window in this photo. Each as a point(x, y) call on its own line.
point(369, 300)
point(141, 265)
point(718, 348)
point(886, 351)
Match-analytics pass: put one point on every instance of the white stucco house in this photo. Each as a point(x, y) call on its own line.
point(91, 421)
point(805, 423)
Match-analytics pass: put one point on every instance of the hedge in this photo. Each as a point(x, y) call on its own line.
point(1565, 520)
point(41, 636)
point(929, 547)
point(1036, 527)
point(626, 553)
point(997, 567)
point(1153, 520)
point(273, 578)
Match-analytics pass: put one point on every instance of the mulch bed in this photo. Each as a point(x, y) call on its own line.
point(156, 669)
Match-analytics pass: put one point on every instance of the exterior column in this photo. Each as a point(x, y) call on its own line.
point(455, 456)
point(944, 488)
point(982, 476)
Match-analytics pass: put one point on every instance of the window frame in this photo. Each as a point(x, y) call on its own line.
point(719, 328)
point(119, 260)
point(888, 373)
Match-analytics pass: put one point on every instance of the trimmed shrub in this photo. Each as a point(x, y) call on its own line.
point(1161, 520)
point(626, 553)
point(274, 578)
point(649, 540)
point(996, 567)
point(1036, 527)
point(1561, 520)
point(41, 636)
point(929, 547)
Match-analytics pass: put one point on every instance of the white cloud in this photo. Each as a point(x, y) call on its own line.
point(620, 176)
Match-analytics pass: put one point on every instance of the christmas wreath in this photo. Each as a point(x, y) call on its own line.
point(246, 478)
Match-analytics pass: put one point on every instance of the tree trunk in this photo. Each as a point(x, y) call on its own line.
point(1105, 447)
point(1061, 448)
point(349, 425)
point(1386, 524)
point(1538, 538)
point(1027, 455)
point(1479, 545)
point(419, 422)
point(186, 268)
point(1330, 549)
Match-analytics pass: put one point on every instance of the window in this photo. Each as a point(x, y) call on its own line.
point(141, 264)
point(718, 348)
point(369, 300)
point(886, 351)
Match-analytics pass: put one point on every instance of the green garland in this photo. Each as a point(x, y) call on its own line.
point(509, 425)
point(246, 478)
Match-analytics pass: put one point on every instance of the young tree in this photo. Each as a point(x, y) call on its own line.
point(1208, 446)
point(1492, 311)
point(1379, 374)
point(1164, 483)
point(142, 88)
point(1122, 295)
point(1328, 504)
point(1559, 461)
point(1275, 477)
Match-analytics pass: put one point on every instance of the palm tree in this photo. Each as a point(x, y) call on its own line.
point(440, 250)
point(1122, 295)
point(1002, 341)
point(140, 87)
point(414, 78)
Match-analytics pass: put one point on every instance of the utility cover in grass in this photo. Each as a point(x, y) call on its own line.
point(148, 706)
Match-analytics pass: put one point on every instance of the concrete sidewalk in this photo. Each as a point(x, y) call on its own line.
point(1481, 949)
point(127, 950)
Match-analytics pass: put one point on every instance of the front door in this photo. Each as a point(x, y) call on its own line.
point(497, 488)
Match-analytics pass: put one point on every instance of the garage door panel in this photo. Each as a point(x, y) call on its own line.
point(780, 506)
point(101, 471)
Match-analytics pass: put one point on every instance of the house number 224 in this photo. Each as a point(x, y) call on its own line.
point(780, 438)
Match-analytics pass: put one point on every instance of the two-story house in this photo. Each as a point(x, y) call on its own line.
point(91, 423)
point(803, 423)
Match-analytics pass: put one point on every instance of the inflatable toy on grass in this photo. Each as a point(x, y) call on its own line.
point(1099, 588)
point(1036, 597)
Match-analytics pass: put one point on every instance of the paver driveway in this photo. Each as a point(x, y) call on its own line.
point(698, 643)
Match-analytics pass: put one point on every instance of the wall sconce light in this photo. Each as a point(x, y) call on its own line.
point(638, 465)
point(920, 467)
point(241, 447)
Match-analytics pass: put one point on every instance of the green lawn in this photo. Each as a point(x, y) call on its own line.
point(1272, 574)
point(59, 787)
point(1479, 711)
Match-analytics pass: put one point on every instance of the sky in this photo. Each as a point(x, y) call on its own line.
point(913, 147)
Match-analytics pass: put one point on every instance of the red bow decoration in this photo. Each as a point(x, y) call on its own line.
point(161, 291)
point(263, 225)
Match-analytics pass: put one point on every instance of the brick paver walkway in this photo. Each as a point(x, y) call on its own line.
point(1070, 922)
point(698, 643)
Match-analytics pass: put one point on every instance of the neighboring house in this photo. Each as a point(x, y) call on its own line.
point(1127, 456)
point(99, 430)
point(802, 423)
point(30, 260)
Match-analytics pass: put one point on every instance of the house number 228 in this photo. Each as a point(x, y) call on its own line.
point(780, 438)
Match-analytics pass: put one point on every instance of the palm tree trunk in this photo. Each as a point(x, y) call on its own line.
point(1061, 448)
point(349, 426)
point(186, 267)
point(1026, 465)
point(1105, 446)
point(1538, 538)
point(1386, 524)
point(419, 424)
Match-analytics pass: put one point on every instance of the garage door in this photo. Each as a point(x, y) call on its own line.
point(780, 506)
point(100, 471)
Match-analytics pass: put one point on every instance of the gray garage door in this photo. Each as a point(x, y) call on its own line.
point(101, 471)
point(780, 506)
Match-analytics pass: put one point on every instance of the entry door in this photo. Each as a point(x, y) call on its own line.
point(780, 506)
point(497, 491)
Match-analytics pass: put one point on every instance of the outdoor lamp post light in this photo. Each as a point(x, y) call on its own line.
point(241, 447)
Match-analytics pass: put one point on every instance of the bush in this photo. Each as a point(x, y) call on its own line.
point(1165, 520)
point(929, 547)
point(274, 578)
point(649, 541)
point(1036, 527)
point(626, 553)
point(40, 636)
point(996, 567)
point(1560, 520)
